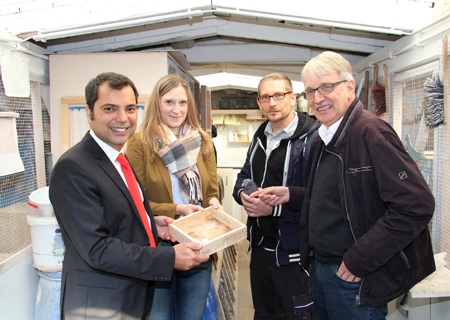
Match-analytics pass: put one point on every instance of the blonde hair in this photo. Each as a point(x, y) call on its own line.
point(325, 64)
point(277, 76)
point(151, 128)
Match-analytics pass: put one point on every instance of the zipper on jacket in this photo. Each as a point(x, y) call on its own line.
point(252, 155)
point(265, 161)
point(306, 271)
point(345, 194)
point(287, 160)
point(354, 171)
point(276, 249)
point(405, 259)
point(357, 298)
point(304, 146)
point(251, 239)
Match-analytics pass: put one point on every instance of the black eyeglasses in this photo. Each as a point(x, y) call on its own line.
point(276, 96)
point(326, 88)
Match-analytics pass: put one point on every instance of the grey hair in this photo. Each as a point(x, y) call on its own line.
point(325, 64)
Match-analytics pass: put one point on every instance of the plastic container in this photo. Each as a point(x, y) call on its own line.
point(46, 241)
point(250, 130)
point(39, 204)
point(48, 296)
point(236, 135)
point(212, 304)
point(230, 136)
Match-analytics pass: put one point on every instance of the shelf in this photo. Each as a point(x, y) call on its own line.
point(255, 120)
point(235, 111)
point(252, 115)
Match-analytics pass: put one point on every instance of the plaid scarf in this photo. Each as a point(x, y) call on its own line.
point(180, 157)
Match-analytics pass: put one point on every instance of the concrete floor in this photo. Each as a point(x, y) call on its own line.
point(245, 309)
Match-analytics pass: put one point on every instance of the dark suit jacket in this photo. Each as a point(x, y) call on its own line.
point(109, 270)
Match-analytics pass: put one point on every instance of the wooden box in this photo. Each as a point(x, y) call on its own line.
point(214, 228)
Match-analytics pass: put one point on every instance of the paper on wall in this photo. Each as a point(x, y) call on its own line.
point(10, 161)
point(15, 75)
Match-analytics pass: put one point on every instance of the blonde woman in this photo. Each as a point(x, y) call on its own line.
point(174, 159)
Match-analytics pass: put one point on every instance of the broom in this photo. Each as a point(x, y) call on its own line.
point(378, 94)
point(435, 91)
point(434, 101)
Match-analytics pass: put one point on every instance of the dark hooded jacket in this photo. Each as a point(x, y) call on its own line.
point(285, 166)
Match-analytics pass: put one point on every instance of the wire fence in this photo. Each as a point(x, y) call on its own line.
point(17, 184)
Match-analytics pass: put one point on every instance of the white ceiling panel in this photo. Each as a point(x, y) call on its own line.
point(248, 36)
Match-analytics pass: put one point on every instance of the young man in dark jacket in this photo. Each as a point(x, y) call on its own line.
point(367, 207)
point(278, 155)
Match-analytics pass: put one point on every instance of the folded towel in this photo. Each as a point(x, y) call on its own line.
point(217, 118)
point(236, 119)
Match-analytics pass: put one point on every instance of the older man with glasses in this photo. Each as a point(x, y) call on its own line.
point(277, 156)
point(367, 206)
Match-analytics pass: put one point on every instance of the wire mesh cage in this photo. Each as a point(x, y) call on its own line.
point(16, 186)
point(429, 147)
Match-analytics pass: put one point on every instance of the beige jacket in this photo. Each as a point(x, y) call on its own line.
point(155, 177)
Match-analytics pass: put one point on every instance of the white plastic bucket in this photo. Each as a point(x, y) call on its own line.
point(46, 241)
point(39, 203)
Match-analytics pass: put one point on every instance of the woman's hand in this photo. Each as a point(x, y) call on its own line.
point(215, 203)
point(187, 209)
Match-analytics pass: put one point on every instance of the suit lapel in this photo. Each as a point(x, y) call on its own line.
point(109, 169)
point(105, 163)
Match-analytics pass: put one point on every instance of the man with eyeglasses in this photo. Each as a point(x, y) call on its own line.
point(367, 206)
point(277, 156)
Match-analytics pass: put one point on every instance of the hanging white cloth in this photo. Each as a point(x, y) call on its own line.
point(15, 75)
point(10, 161)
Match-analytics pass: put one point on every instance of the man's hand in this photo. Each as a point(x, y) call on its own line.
point(254, 206)
point(274, 196)
point(187, 256)
point(162, 224)
point(346, 275)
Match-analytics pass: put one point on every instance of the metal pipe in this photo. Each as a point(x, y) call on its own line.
point(432, 23)
point(58, 33)
point(114, 25)
point(420, 42)
point(8, 39)
point(17, 47)
point(332, 24)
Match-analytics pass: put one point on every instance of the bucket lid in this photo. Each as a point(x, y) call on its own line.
point(40, 196)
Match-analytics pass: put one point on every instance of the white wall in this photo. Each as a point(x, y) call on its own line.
point(18, 287)
point(69, 74)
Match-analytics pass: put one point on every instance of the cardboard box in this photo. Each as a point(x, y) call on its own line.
point(214, 228)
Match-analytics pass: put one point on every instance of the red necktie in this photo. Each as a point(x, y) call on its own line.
point(136, 195)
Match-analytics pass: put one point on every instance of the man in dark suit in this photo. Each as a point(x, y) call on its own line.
point(109, 268)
